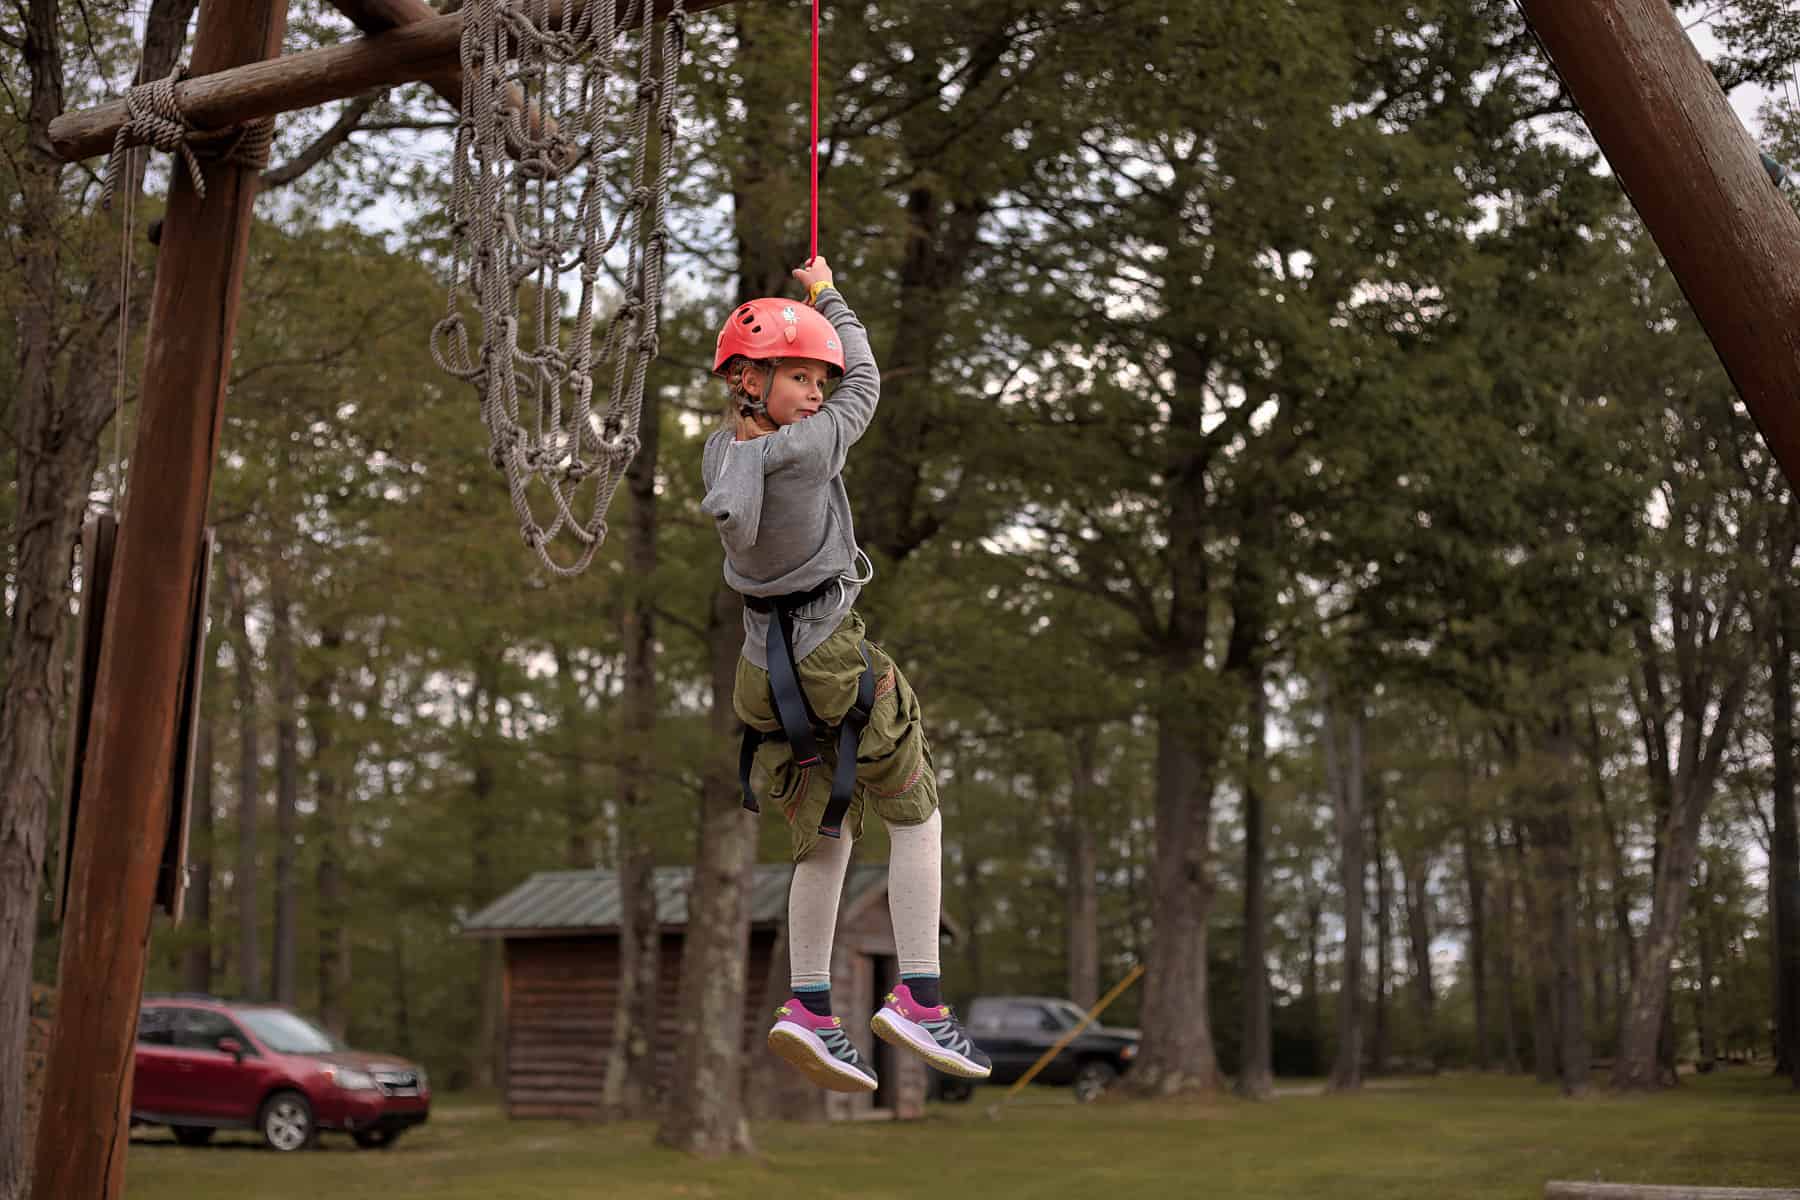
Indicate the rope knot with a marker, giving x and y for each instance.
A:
(155, 118)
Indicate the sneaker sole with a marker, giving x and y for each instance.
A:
(896, 1030)
(802, 1049)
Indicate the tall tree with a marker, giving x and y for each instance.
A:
(249, 780)
(1256, 1074)
(1342, 737)
(282, 655)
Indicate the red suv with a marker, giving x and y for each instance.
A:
(205, 1064)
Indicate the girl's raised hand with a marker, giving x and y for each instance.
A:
(814, 272)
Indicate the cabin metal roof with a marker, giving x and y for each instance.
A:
(553, 903)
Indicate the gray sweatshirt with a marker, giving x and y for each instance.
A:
(780, 503)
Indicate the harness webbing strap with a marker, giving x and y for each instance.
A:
(790, 698)
(796, 715)
(843, 780)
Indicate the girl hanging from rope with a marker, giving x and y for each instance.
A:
(827, 714)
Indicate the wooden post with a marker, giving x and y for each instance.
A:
(82, 1133)
(1697, 180)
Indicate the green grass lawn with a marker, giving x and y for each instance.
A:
(1449, 1138)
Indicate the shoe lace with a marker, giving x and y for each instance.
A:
(840, 1045)
(948, 1032)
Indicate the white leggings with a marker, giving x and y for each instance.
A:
(915, 890)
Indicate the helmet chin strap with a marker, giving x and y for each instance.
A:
(760, 406)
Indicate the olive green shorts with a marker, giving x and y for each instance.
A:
(894, 775)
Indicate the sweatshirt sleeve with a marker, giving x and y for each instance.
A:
(821, 443)
(733, 474)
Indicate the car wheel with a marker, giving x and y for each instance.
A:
(286, 1121)
(376, 1139)
(955, 1090)
(193, 1135)
(1092, 1080)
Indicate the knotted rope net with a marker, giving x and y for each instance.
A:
(538, 143)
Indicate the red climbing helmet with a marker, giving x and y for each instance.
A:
(776, 328)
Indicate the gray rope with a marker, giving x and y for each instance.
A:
(526, 215)
(154, 118)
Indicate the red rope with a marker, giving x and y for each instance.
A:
(815, 131)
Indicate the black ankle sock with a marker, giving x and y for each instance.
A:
(924, 989)
(818, 1002)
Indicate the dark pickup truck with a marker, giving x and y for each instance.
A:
(1016, 1030)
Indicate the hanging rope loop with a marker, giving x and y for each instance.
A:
(550, 93)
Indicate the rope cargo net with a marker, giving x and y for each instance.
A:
(538, 141)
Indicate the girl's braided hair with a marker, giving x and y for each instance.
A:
(744, 407)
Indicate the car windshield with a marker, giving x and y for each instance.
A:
(286, 1033)
(1071, 1015)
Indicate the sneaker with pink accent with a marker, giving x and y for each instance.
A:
(819, 1049)
(934, 1034)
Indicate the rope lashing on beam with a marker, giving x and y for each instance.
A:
(534, 158)
(156, 120)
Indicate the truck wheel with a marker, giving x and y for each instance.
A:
(1092, 1080)
(286, 1122)
(955, 1090)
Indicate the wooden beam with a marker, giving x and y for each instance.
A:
(279, 85)
(1558, 1189)
(1694, 175)
(408, 41)
(85, 1122)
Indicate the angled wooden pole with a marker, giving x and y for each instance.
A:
(83, 1128)
(1695, 177)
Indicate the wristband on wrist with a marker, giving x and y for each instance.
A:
(813, 292)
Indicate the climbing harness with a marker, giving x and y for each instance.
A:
(799, 726)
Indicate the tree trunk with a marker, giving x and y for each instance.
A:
(56, 435)
(575, 733)
(1783, 638)
(1415, 872)
(1177, 1053)
(1509, 1008)
(196, 959)
(1256, 1077)
(1082, 869)
(1562, 893)
(486, 1067)
(1703, 998)
(331, 833)
(1309, 999)
(1344, 770)
(706, 1111)
(1378, 1041)
(1534, 891)
(244, 882)
(1639, 1064)
(630, 1072)
(287, 787)
(1475, 873)
(1625, 951)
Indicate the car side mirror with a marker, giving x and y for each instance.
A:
(233, 1047)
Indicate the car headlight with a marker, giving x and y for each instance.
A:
(350, 1079)
(1128, 1052)
(424, 1083)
